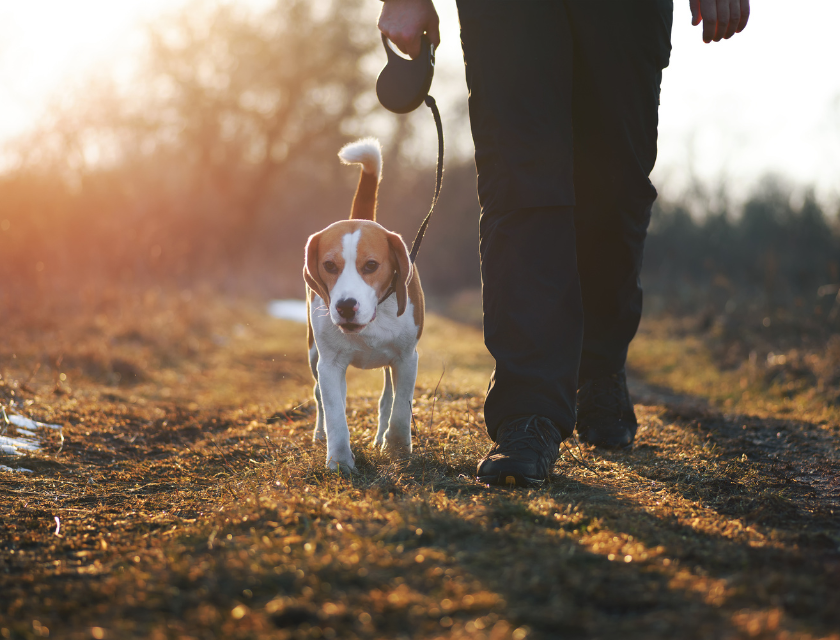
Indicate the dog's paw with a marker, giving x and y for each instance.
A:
(395, 448)
(344, 463)
(319, 435)
(344, 469)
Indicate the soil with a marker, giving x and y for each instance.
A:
(183, 496)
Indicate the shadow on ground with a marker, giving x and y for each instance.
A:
(159, 517)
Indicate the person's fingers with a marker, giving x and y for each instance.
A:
(694, 5)
(409, 44)
(722, 19)
(745, 15)
(708, 11)
(403, 23)
(406, 40)
(734, 18)
(434, 34)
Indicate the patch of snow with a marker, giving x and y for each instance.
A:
(13, 446)
(25, 439)
(3, 467)
(288, 310)
(26, 423)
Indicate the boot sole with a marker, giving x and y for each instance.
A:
(512, 480)
(609, 445)
(607, 442)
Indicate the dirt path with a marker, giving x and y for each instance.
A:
(804, 457)
(191, 503)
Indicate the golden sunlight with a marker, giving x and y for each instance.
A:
(50, 44)
(47, 46)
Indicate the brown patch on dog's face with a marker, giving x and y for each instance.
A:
(375, 262)
(357, 260)
(327, 262)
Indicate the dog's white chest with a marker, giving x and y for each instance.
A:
(387, 339)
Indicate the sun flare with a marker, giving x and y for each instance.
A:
(51, 44)
(738, 109)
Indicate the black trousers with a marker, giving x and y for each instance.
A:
(564, 98)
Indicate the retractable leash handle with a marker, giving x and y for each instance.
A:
(402, 86)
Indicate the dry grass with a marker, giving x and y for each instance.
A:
(193, 504)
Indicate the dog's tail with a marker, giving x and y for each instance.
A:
(368, 153)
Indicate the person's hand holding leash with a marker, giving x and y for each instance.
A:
(722, 19)
(404, 21)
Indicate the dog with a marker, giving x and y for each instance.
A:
(365, 307)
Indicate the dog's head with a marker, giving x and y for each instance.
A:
(351, 265)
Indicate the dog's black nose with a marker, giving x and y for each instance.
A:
(347, 308)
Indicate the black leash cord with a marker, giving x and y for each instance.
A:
(421, 232)
(415, 246)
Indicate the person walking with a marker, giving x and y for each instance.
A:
(563, 104)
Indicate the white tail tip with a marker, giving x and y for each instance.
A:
(366, 152)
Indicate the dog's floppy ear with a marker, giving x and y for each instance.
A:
(404, 270)
(310, 269)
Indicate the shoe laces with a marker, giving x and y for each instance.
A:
(528, 433)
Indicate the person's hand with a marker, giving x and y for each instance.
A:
(721, 18)
(404, 21)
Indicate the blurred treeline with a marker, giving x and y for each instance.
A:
(778, 250)
(212, 166)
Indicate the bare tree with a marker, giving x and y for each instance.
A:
(241, 95)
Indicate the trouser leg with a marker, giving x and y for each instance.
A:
(618, 66)
(533, 322)
(525, 62)
(519, 73)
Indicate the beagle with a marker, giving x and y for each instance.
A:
(366, 309)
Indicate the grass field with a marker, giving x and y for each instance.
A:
(183, 497)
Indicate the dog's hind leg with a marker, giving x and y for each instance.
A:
(319, 433)
(386, 403)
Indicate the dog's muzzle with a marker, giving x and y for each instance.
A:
(347, 309)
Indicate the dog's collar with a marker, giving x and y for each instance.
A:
(391, 289)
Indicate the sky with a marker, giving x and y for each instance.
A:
(765, 102)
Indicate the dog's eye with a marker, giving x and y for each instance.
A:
(330, 267)
(370, 266)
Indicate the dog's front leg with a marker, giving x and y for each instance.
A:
(398, 435)
(332, 380)
(386, 403)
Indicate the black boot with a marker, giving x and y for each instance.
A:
(525, 450)
(605, 415)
